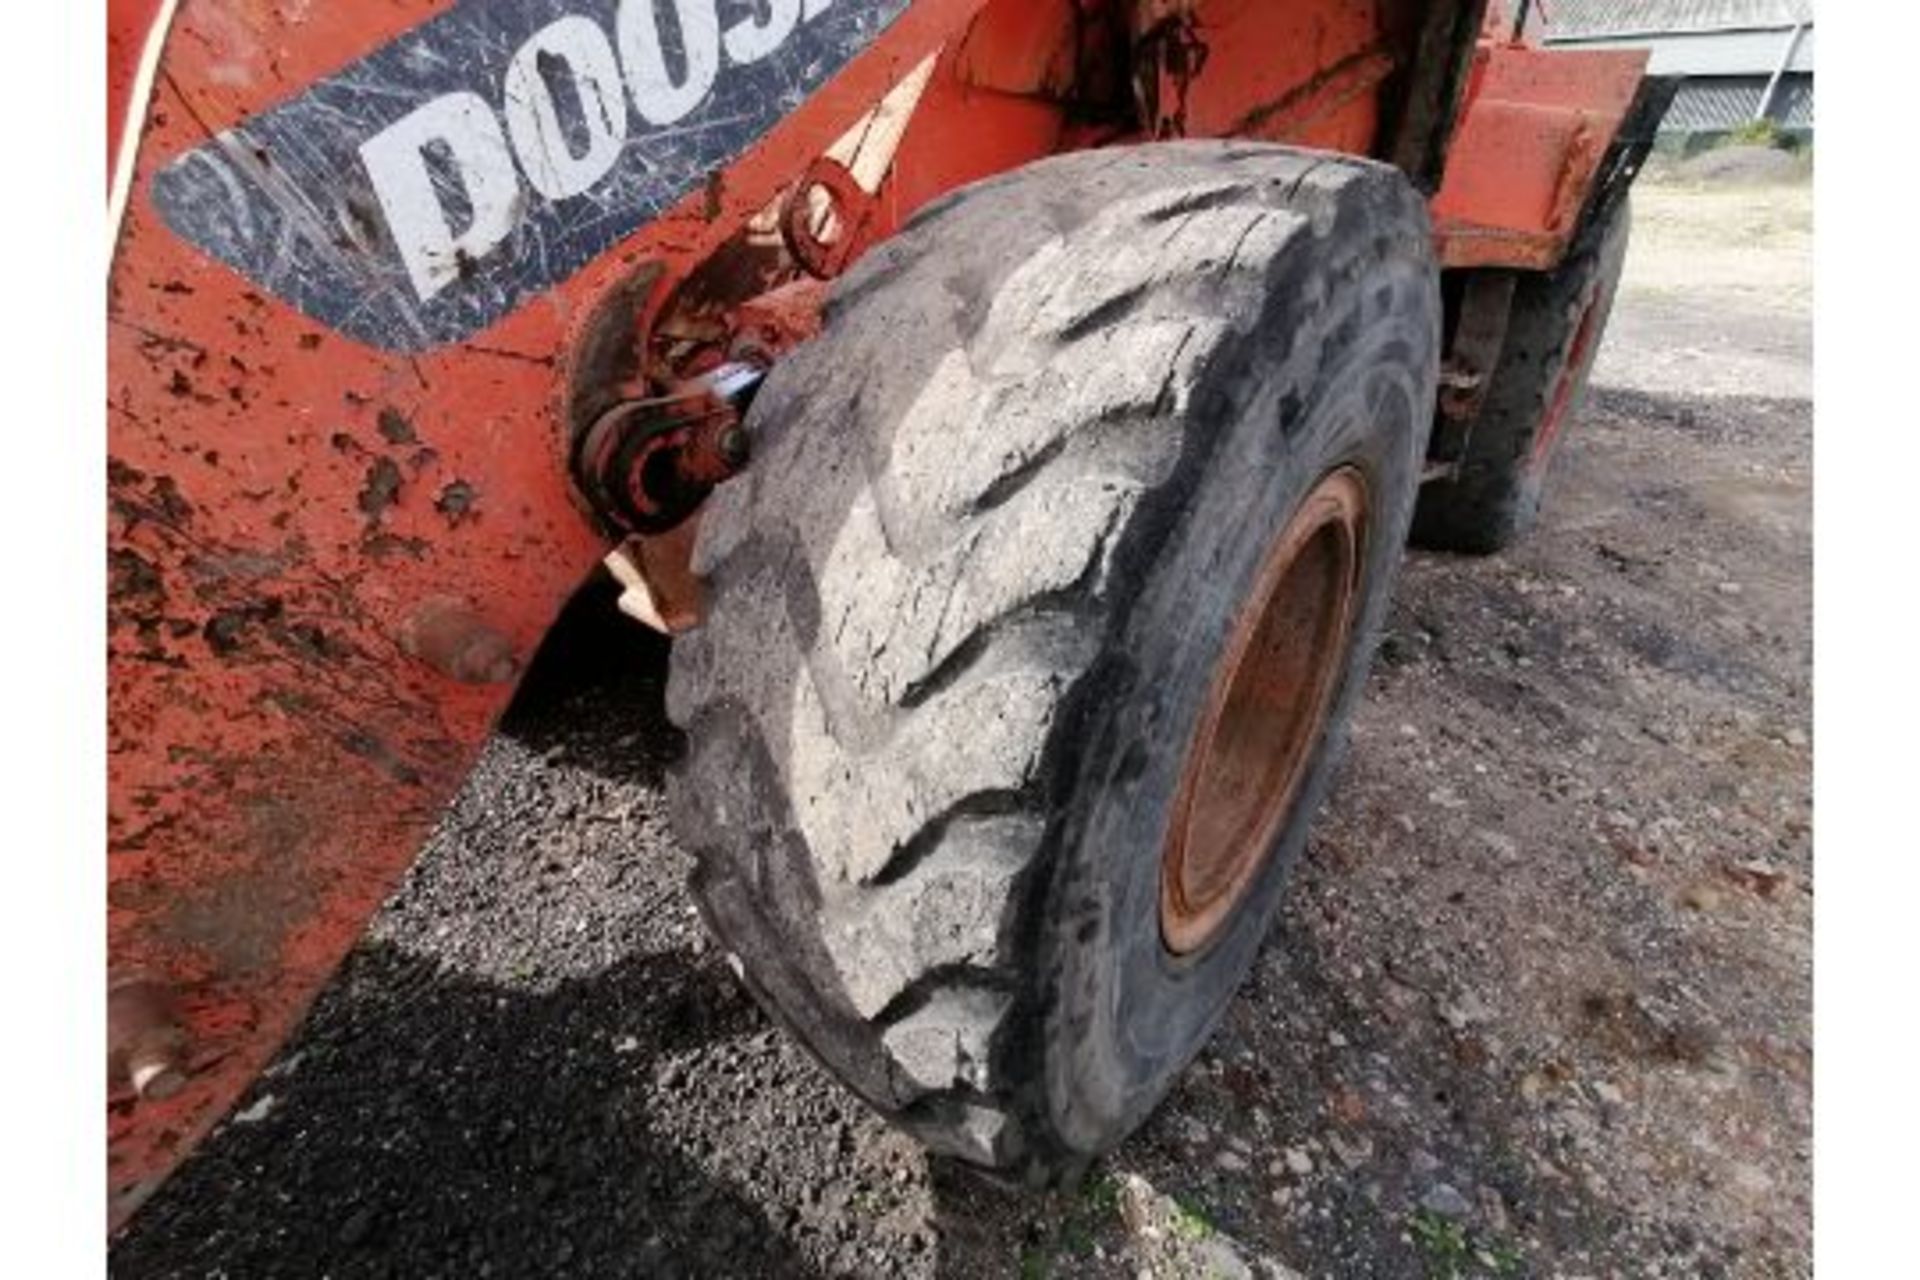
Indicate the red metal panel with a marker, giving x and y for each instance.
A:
(1021, 48)
(129, 24)
(312, 540)
(1301, 73)
(1529, 142)
(962, 133)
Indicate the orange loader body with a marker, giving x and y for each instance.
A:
(392, 283)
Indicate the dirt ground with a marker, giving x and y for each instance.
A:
(1538, 1004)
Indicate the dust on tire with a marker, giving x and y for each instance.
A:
(1001, 515)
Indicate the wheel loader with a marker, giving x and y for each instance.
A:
(1015, 411)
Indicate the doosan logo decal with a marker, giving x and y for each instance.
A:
(555, 165)
(427, 190)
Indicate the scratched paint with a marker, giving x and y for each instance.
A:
(425, 191)
(289, 510)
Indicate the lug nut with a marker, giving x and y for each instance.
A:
(156, 1072)
(146, 1045)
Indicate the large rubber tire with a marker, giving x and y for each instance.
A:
(1554, 331)
(966, 604)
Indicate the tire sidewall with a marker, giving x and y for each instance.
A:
(1589, 302)
(1124, 1014)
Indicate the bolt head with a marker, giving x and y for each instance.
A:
(156, 1076)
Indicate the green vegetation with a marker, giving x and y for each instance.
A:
(1451, 1251)
(1443, 1241)
(1501, 1259)
(1756, 133)
(1074, 1233)
(1189, 1223)
(1100, 1196)
(1076, 1225)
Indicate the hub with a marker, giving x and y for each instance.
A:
(1271, 694)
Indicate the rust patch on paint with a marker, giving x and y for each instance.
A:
(456, 502)
(132, 577)
(385, 546)
(381, 489)
(395, 428)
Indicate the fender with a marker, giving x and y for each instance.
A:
(1530, 145)
(339, 511)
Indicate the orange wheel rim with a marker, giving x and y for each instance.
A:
(1562, 397)
(1265, 711)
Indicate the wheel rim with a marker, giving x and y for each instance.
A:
(1563, 387)
(1269, 701)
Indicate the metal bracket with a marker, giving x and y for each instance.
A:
(1466, 374)
(646, 465)
(825, 219)
(658, 586)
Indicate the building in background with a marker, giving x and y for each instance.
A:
(1743, 61)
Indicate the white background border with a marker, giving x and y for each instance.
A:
(1867, 633)
(53, 732)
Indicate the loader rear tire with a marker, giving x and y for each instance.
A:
(1558, 320)
(976, 611)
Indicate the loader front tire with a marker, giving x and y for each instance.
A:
(1036, 623)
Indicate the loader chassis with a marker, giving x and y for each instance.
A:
(411, 311)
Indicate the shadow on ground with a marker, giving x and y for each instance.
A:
(430, 1126)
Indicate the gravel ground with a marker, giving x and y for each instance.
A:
(1745, 165)
(1539, 1002)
